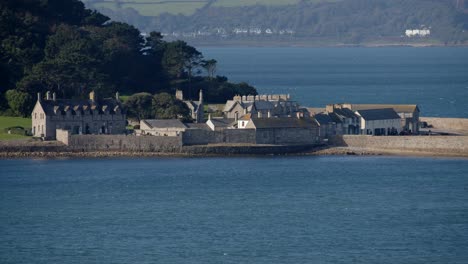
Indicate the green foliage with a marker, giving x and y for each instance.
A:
(139, 106)
(166, 106)
(59, 46)
(20, 102)
(6, 122)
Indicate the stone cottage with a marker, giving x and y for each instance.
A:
(409, 113)
(88, 116)
(196, 107)
(282, 130)
(261, 105)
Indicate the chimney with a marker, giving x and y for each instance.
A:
(269, 113)
(200, 96)
(259, 114)
(245, 111)
(54, 96)
(117, 96)
(39, 97)
(179, 95)
(92, 96)
(299, 115)
(209, 116)
(48, 95)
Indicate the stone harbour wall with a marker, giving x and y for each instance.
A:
(203, 137)
(124, 143)
(447, 123)
(436, 144)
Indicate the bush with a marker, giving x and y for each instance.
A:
(17, 130)
(21, 103)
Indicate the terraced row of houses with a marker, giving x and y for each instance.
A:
(253, 119)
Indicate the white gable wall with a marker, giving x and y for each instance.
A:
(368, 126)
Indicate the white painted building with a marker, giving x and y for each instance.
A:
(417, 32)
(379, 122)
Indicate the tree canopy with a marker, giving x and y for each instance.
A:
(60, 46)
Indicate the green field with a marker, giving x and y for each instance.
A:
(185, 7)
(6, 121)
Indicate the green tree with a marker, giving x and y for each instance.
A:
(166, 106)
(21, 103)
(210, 67)
(140, 106)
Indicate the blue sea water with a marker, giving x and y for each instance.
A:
(234, 210)
(434, 78)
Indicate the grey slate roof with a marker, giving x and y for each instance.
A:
(378, 114)
(335, 118)
(323, 118)
(59, 106)
(164, 123)
(410, 108)
(344, 112)
(223, 122)
(283, 122)
(264, 105)
(202, 126)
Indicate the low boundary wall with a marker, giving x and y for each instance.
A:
(124, 143)
(447, 123)
(230, 136)
(436, 144)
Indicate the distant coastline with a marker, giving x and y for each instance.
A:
(305, 44)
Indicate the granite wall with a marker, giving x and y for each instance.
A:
(124, 143)
(436, 144)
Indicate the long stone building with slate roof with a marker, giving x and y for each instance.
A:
(89, 116)
(279, 105)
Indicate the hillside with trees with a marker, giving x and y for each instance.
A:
(330, 22)
(60, 46)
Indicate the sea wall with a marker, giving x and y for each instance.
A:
(124, 143)
(230, 136)
(447, 123)
(436, 144)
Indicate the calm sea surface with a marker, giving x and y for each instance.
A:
(434, 78)
(234, 210)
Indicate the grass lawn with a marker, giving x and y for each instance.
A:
(7, 121)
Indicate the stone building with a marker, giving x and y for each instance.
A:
(409, 113)
(327, 126)
(379, 122)
(196, 107)
(161, 127)
(91, 116)
(281, 130)
(263, 105)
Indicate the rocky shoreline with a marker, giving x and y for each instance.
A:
(322, 151)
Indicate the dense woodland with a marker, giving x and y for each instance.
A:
(60, 46)
(349, 21)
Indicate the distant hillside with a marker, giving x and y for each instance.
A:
(320, 22)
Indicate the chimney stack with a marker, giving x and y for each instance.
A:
(259, 114)
(117, 96)
(54, 96)
(48, 95)
(179, 95)
(39, 97)
(269, 113)
(92, 96)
